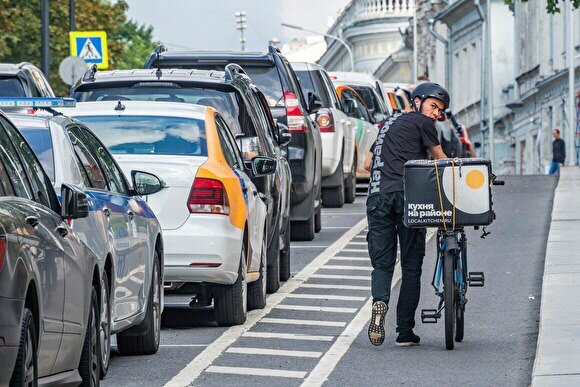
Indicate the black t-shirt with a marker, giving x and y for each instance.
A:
(403, 137)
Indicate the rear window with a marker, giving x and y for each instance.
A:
(268, 80)
(11, 87)
(150, 134)
(307, 79)
(41, 143)
(370, 98)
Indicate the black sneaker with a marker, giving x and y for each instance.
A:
(407, 339)
(377, 324)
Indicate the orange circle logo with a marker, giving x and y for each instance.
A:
(475, 179)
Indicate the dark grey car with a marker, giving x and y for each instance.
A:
(49, 280)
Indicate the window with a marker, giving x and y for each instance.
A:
(13, 167)
(228, 147)
(5, 185)
(115, 176)
(150, 135)
(268, 80)
(40, 141)
(90, 166)
(11, 87)
(331, 90)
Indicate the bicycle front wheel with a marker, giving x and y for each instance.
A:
(449, 298)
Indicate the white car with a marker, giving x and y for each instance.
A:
(360, 82)
(339, 157)
(212, 216)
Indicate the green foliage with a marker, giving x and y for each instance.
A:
(129, 44)
(552, 6)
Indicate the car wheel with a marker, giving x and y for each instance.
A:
(303, 230)
(144, 338)
(105, 325)
(231, 301)
(257, 289)
(318, 219)
(90, 364)
(273, 265)
(350, 184)
(285, 254)
(26, 368)
(334, 197)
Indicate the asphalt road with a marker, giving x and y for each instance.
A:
(314, 329)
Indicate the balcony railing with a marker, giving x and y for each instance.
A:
(372, 9)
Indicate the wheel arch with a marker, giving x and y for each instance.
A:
(31, 302)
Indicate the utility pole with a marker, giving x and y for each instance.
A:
(415, 48)
(71, 15)
(45, 38)
(490, 123)
(241, 26)
(570, 138)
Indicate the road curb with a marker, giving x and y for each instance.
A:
(557, 359)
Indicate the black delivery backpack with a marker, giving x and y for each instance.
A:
(429, 200)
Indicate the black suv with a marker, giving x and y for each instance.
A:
(23, 80)
(244, 108)
(272, 73)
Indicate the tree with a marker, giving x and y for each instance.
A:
(128, 43)
(553, 6)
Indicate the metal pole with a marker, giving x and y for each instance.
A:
(344, 43)
(71, 15)
(241, 26)
(483, 67)
(415, 50)
(571, 110)
(490, 86)
(45, 39)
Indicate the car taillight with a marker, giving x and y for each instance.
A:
(325, 121)
(2, 251)
(208, 196)
(296, 121)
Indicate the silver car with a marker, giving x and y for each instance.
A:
(49, 279)
(120, 228)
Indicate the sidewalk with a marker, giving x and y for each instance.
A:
(558, 351)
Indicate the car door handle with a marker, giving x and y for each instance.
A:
(255, 193)
(32, 220)
(106, 211)
(61, 230)
(131, 214)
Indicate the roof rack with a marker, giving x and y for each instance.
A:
(232, 70)
(89, 74)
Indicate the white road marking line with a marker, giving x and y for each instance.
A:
(273, 352)
(257, 372)
(326, 297)
(366, 259)
(294, 246)
(328, 309)
(337, 227)
(342, 287)
(358, 243)
(288, 336)
(291, 321)
(329, 361)
(346, 267)
(355, 250)
(183, 345)
(204, 359)
(338, 276)
(333, 213)
(360, 237)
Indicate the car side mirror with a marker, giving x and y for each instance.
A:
(477, 144)
(249, 147)
(262, 166)
(314, 103)
(146, 183)
(284, 134)
(348, 106)
(74, 202)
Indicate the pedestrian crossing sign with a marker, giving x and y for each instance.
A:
(91, 46)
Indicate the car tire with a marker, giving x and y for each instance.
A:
(90, 364)
(334, 197)
(303, 230)
(257, 289)
(231, 301)
(318, 220)
(26, 368)
(144, 338)
(285, 255)
(273, 268)
(350, 183)
(105, 325)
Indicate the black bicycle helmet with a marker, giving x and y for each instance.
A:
(431, 90)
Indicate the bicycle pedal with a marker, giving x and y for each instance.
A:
(430, 316)
(476, 279)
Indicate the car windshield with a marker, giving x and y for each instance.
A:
(11, 87)
(41, 143)
(370, 98)
(223, 101)
(150, 134)
(268, 80)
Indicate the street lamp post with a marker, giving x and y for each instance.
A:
(571, 110)
(344, 43)
(45, 39)
(241, 26)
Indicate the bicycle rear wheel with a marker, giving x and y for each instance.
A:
(460, 308)
(449, 298)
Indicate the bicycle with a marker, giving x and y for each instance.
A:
(451, 267)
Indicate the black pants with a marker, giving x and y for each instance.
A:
(385, 219)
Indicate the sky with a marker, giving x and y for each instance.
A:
(210, 25)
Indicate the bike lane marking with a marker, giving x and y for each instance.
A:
(288, 336)
(204, 359)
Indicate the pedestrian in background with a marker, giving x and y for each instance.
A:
(558, 153)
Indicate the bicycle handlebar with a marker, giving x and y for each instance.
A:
(498, 182)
